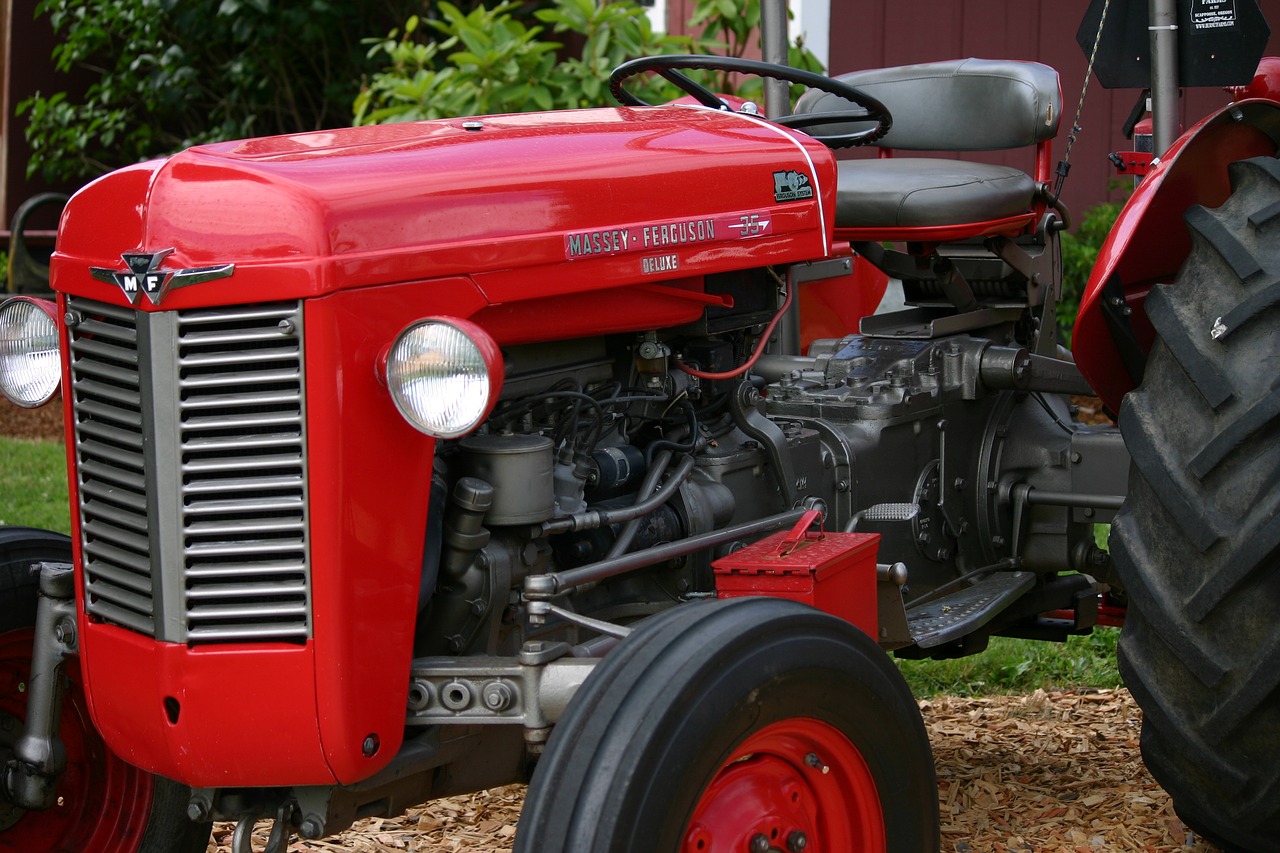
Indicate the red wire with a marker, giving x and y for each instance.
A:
(764, 339)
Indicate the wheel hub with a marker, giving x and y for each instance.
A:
(796, 786)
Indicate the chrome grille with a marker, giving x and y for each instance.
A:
(194, 420)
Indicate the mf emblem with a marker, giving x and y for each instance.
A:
(142, 274)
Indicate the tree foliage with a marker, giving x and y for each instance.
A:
(167, 74)
(506, 58)
(494, 60)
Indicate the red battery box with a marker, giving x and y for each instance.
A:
(834, 572)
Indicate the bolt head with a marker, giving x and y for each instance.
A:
(370, 746)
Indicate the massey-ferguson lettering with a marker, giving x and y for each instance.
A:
(393, 488)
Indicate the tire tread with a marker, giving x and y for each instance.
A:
(1201, 645)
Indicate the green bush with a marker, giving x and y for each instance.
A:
(491, 60)
(1079, 251)
(495, 60)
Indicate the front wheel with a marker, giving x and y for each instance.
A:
(104, 805)
(738, 725)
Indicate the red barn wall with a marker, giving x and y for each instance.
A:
(875, 33)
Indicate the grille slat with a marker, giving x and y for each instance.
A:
(107, 372)
(228, 486)
(120, 350)
(122, 616)
(245, 633)
(104, 531)
(223, 445)
(241, 549)
(112, 476)
(261, 505)
(107, 432)
(200, 466)
(108, 454)
(249, 420)
(121, 597)
(233, 380)
(243, 528)
(238, 338)
(125, 579)
(89, 389)
(264, 570)
(211, 447)
(206, 360)
(229, 402)
(109, 554)
(106, 412)
(121, 518)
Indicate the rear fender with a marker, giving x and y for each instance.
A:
(1149, 241)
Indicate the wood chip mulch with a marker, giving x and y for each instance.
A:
(1055, 771)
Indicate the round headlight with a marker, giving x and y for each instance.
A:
(444, 375)
(30, 368)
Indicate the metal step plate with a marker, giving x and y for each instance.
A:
(962, 612)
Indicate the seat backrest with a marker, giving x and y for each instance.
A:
(958, 105)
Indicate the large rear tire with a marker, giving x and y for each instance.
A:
(1197, 543)
(738, 725)
(104, 805)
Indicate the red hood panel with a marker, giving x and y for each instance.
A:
(323, 211)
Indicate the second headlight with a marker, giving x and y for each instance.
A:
(30, 367)
(444, 375)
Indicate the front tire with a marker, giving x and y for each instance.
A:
(104, 804)
(737, 725)
(1197, 543)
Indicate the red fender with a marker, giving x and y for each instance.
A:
(1149, 241)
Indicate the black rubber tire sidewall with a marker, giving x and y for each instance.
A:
(168, 828)
(625, 767)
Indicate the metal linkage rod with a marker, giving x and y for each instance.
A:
(542, 587)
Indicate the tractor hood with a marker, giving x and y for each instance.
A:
(606, 197)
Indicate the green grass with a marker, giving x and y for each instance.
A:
(1020, 666)
(33, 491)
(34, 494)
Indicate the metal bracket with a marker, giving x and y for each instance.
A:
(277, 842)
(1117, 313)
(771, 437)
(532, 692)
(31, 776)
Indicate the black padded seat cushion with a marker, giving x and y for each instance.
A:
(916, 192)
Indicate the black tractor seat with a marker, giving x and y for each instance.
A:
(919, 192)
(958, 105)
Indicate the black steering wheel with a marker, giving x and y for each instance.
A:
(666, 67)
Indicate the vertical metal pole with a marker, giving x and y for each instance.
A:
(1164, 74)
(777, 102)
(773, 48)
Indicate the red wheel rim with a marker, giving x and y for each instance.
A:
(103, 803)
(795, 785)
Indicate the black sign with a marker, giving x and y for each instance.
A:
(1219, 42)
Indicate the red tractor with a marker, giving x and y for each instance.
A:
(416, 459)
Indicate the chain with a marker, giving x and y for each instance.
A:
(1064, 165)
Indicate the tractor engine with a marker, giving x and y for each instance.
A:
(937, 446)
